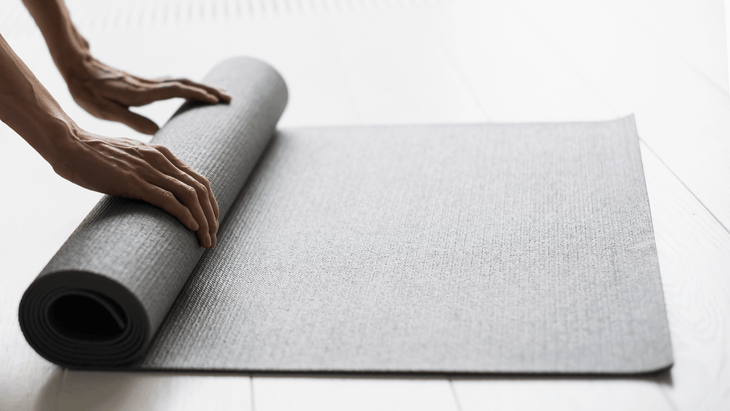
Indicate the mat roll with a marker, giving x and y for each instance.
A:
(102, 297)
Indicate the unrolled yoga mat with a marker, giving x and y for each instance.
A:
(451, 248)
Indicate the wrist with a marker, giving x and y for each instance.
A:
(56, 133)
(69, 50)
(71, 59)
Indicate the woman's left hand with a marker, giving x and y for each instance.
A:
(107, 93)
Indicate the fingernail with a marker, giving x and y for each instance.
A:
(207, 242)
(194, 225)
(215, 240)
(225, 94)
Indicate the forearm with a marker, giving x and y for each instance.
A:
(29, 109)
(66, 45)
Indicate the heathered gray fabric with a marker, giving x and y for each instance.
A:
(454, 248)
(464, 248)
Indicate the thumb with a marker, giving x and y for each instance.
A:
(139, 123)
(142, 124)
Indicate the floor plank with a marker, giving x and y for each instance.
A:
(520, 394)
(353, 394)
(509, 70)
(396, 74)
(103, 391)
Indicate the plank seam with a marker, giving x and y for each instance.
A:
(253, 402)
(714, 217)
(462, 78)
(456, 397)
(59, 387)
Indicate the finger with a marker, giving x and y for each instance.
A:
(193, 194)
(186, 168)
(190, 176)
(179, 169)
(187, 196)
(204, 197)
(222, 94)
(168, 90)
(167, 201)
(133, 92)
(110, 110)
(113, 111)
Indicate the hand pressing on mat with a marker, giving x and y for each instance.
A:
(120, 167)
(130, 168)
(103, 91)
(108, 93)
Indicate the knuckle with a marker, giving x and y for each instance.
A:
(168, 196)
(153, 155)
(162, 149)
(201, 190)
(191, 193)
(157, 156)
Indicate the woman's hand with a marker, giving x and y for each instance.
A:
(130, 168)
(101, 90)
(107, 93)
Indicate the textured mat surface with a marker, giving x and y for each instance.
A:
(472, 248)
(464, 248)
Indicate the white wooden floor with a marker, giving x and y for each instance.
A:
(411, 61)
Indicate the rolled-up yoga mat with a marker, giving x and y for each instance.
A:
(474, 248)
(101, 298)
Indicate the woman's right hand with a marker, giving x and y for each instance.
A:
(133, 169)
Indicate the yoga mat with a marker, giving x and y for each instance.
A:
(452, 248)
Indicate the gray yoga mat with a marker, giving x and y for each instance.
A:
(451, 248)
